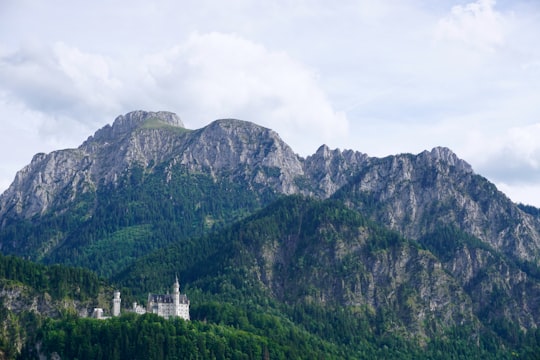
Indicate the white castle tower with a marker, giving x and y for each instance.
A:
(169, 305)
(116, 304)
(176, 291)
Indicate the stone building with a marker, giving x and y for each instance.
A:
(169, 305)
(116, 304)
(165, 305)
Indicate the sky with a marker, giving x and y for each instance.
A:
(381, 77)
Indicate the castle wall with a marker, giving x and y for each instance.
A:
(165, 305)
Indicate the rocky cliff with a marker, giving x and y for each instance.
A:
(416, 194)
(56, 179)
(468, 236)
(412, 194)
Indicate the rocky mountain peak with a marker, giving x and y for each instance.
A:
(331, 169)
(323, 151)
(445, 155)
(246, 142)
(231, 123)
(240, 130)
(135, 119)
(247, 150)
(125, 124)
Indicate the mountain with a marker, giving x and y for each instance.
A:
(415, 194)
(417, 247)
(62, 202)
(299, 250)
(241, 150)
(30, 292)
(233, 149)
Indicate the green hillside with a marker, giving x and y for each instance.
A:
(146, 210)
(276, 285)
(310, 283)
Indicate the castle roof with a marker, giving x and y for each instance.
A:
(167, 298)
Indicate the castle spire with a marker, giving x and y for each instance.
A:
(116, 303)
(176, 286)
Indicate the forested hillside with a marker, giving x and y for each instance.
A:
(338, 255)
(31, 292)
(271, 286)
(238, 312)
(299, 254)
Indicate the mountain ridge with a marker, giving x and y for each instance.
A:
(406, 188)
(112, 149)
(421, 238)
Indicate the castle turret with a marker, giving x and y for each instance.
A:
(116, 304)
(169, 305)
(176, 292)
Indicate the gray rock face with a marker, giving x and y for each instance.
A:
(415, 194)
(496, 287)
(328, 170)
(443, 156)
(237, 149)
(244, 151)
(37, 186)
(57, 178)
(412, 194)
(16, 298)
(233, 148)
(337, 266)
(124, 124)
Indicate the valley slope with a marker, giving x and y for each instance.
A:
(416, 245)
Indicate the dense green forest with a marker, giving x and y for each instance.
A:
(56, 280)
(54, 289)
(245, 307)
(144, 211)
(223, 331)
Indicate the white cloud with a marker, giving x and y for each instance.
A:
(512, 158)
(88, 74)
(230, 76)
(59, 80)
(523, 142)
(59, 95)
(26, 132)
(218, 75)
(409, 75)
(528, 194)
(476, 24)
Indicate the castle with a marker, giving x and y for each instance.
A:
(165, 305)
(169, 305)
